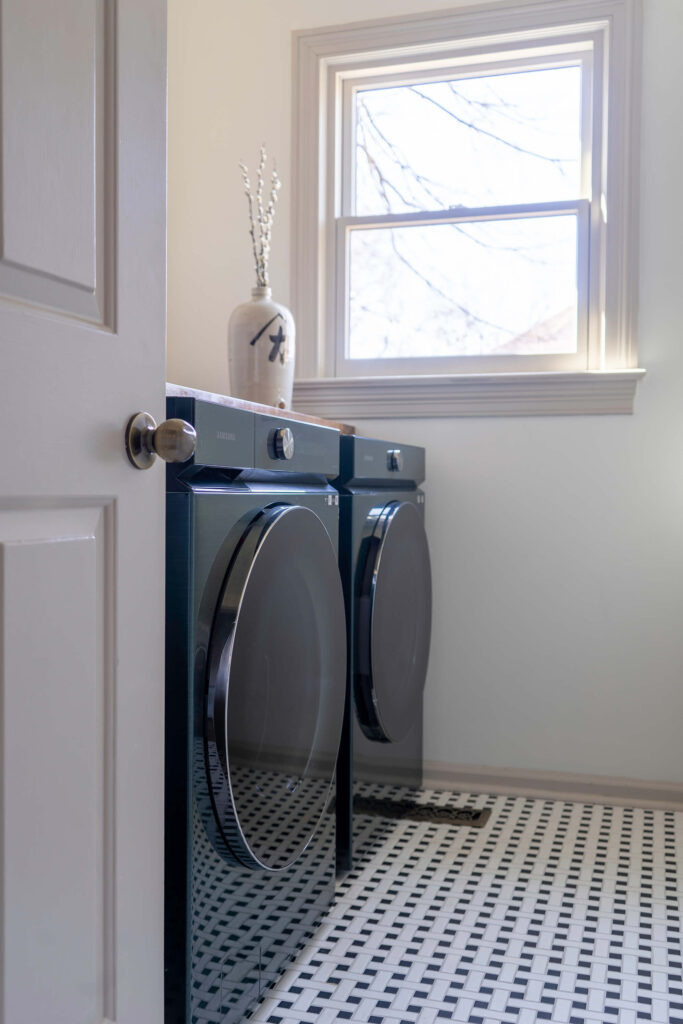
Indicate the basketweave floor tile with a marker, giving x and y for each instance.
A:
(553, 911)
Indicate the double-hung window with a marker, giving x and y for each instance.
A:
(465, 195)
(462, 240)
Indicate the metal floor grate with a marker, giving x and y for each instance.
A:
(475, 817)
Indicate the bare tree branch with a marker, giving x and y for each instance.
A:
(398, 184)
(555, 160)
(384, 185)
(471, 317)
(395, 158)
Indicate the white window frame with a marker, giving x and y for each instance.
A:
(330, 65)
(487, 60)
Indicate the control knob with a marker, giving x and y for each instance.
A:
(395, 460)
(283, 443)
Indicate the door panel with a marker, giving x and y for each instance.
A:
(57, 144)
(81, 531)
(56, 597)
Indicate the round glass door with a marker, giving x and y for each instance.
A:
(393, 623)
(276, 682)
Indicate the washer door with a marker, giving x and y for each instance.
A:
(393, 623)
(276, 682)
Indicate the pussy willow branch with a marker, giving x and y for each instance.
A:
(247, 192)
(259, 189)
(260, 227)
(270, 214)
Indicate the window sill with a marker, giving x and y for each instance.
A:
(585, 393)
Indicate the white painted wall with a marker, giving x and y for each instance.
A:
(557, 542)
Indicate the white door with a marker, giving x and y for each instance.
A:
(82, 295)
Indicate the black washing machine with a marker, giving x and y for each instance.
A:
(255, 682)
(385, 568)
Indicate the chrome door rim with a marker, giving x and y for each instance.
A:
(257, 538)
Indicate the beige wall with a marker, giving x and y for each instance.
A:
(557, 542)
(229, 90)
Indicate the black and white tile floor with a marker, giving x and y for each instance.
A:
(554, 911)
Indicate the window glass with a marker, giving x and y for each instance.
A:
(487, 141)
(498, 287)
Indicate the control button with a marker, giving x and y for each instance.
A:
(283, 443)
(395, 460)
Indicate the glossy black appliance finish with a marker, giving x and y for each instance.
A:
(255, 684)
(276, 687)
(385, 568)
(393, 623)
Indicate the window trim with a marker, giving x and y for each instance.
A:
(323, 59)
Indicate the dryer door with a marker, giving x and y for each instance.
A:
(393, 623)
(276, 681)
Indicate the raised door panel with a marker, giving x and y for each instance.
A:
(82, 272)
(57, 138)
(56, 741)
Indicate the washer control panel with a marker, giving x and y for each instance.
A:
(292, 446)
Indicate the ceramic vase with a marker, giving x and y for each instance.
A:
(261, 351)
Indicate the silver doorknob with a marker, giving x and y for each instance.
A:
(172, 440)
(283, 443)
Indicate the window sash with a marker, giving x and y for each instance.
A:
(347, 367)
(542, 58)
(491, 58)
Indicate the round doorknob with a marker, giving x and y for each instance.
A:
(173, 440)
(283, 443)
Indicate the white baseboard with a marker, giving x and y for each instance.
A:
(595, 789)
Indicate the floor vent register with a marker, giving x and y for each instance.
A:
(381, 807)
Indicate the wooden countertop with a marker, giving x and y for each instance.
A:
(177, 391)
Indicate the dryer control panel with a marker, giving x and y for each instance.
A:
(367, 461)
